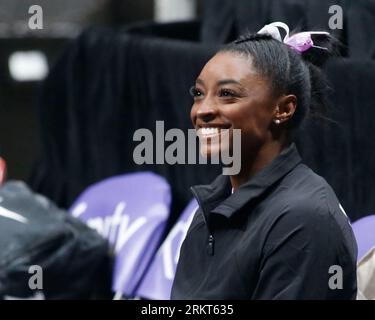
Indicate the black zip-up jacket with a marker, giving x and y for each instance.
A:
(281, 235)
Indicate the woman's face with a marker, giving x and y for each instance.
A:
(229, 94)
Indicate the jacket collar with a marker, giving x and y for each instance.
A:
(217, 197)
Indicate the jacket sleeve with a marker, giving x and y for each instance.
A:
(300, 250)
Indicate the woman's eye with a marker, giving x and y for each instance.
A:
(227, 93)
(194, 92)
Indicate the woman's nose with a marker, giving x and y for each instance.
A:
(207, 112)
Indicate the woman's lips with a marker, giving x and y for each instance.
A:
(210, 132)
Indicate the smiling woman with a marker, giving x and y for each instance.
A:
(229, 93)
(275, 229)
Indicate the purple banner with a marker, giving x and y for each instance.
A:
(131, 212)
(364, 231)
(158, 281)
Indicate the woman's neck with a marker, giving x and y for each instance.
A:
(253, 163)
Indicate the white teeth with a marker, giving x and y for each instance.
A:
(209, 131)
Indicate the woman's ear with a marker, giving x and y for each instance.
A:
(285, 109)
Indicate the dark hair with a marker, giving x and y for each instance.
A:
(290, 72)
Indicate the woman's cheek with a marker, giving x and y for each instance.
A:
(193, 113)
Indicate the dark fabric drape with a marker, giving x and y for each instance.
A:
(107, 85)
(185, 30)
(344, 152)
(361, 28)
(224, 20)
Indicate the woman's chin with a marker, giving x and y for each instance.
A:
(211, 152)
(206, 151)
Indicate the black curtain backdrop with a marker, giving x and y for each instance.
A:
(107, 85)
(344, 152)
(223, 20)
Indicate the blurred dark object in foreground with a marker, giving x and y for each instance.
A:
(71, 260)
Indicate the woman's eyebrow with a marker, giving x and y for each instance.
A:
(199, 81)
(220, 82)
(228, 81)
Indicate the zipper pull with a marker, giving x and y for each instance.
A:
(210, 247)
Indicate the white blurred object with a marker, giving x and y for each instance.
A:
(366, 276)
(173, 10)
(28, 65)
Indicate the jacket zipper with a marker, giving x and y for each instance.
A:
(211, 239)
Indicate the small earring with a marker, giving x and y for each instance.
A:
(277, 121)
